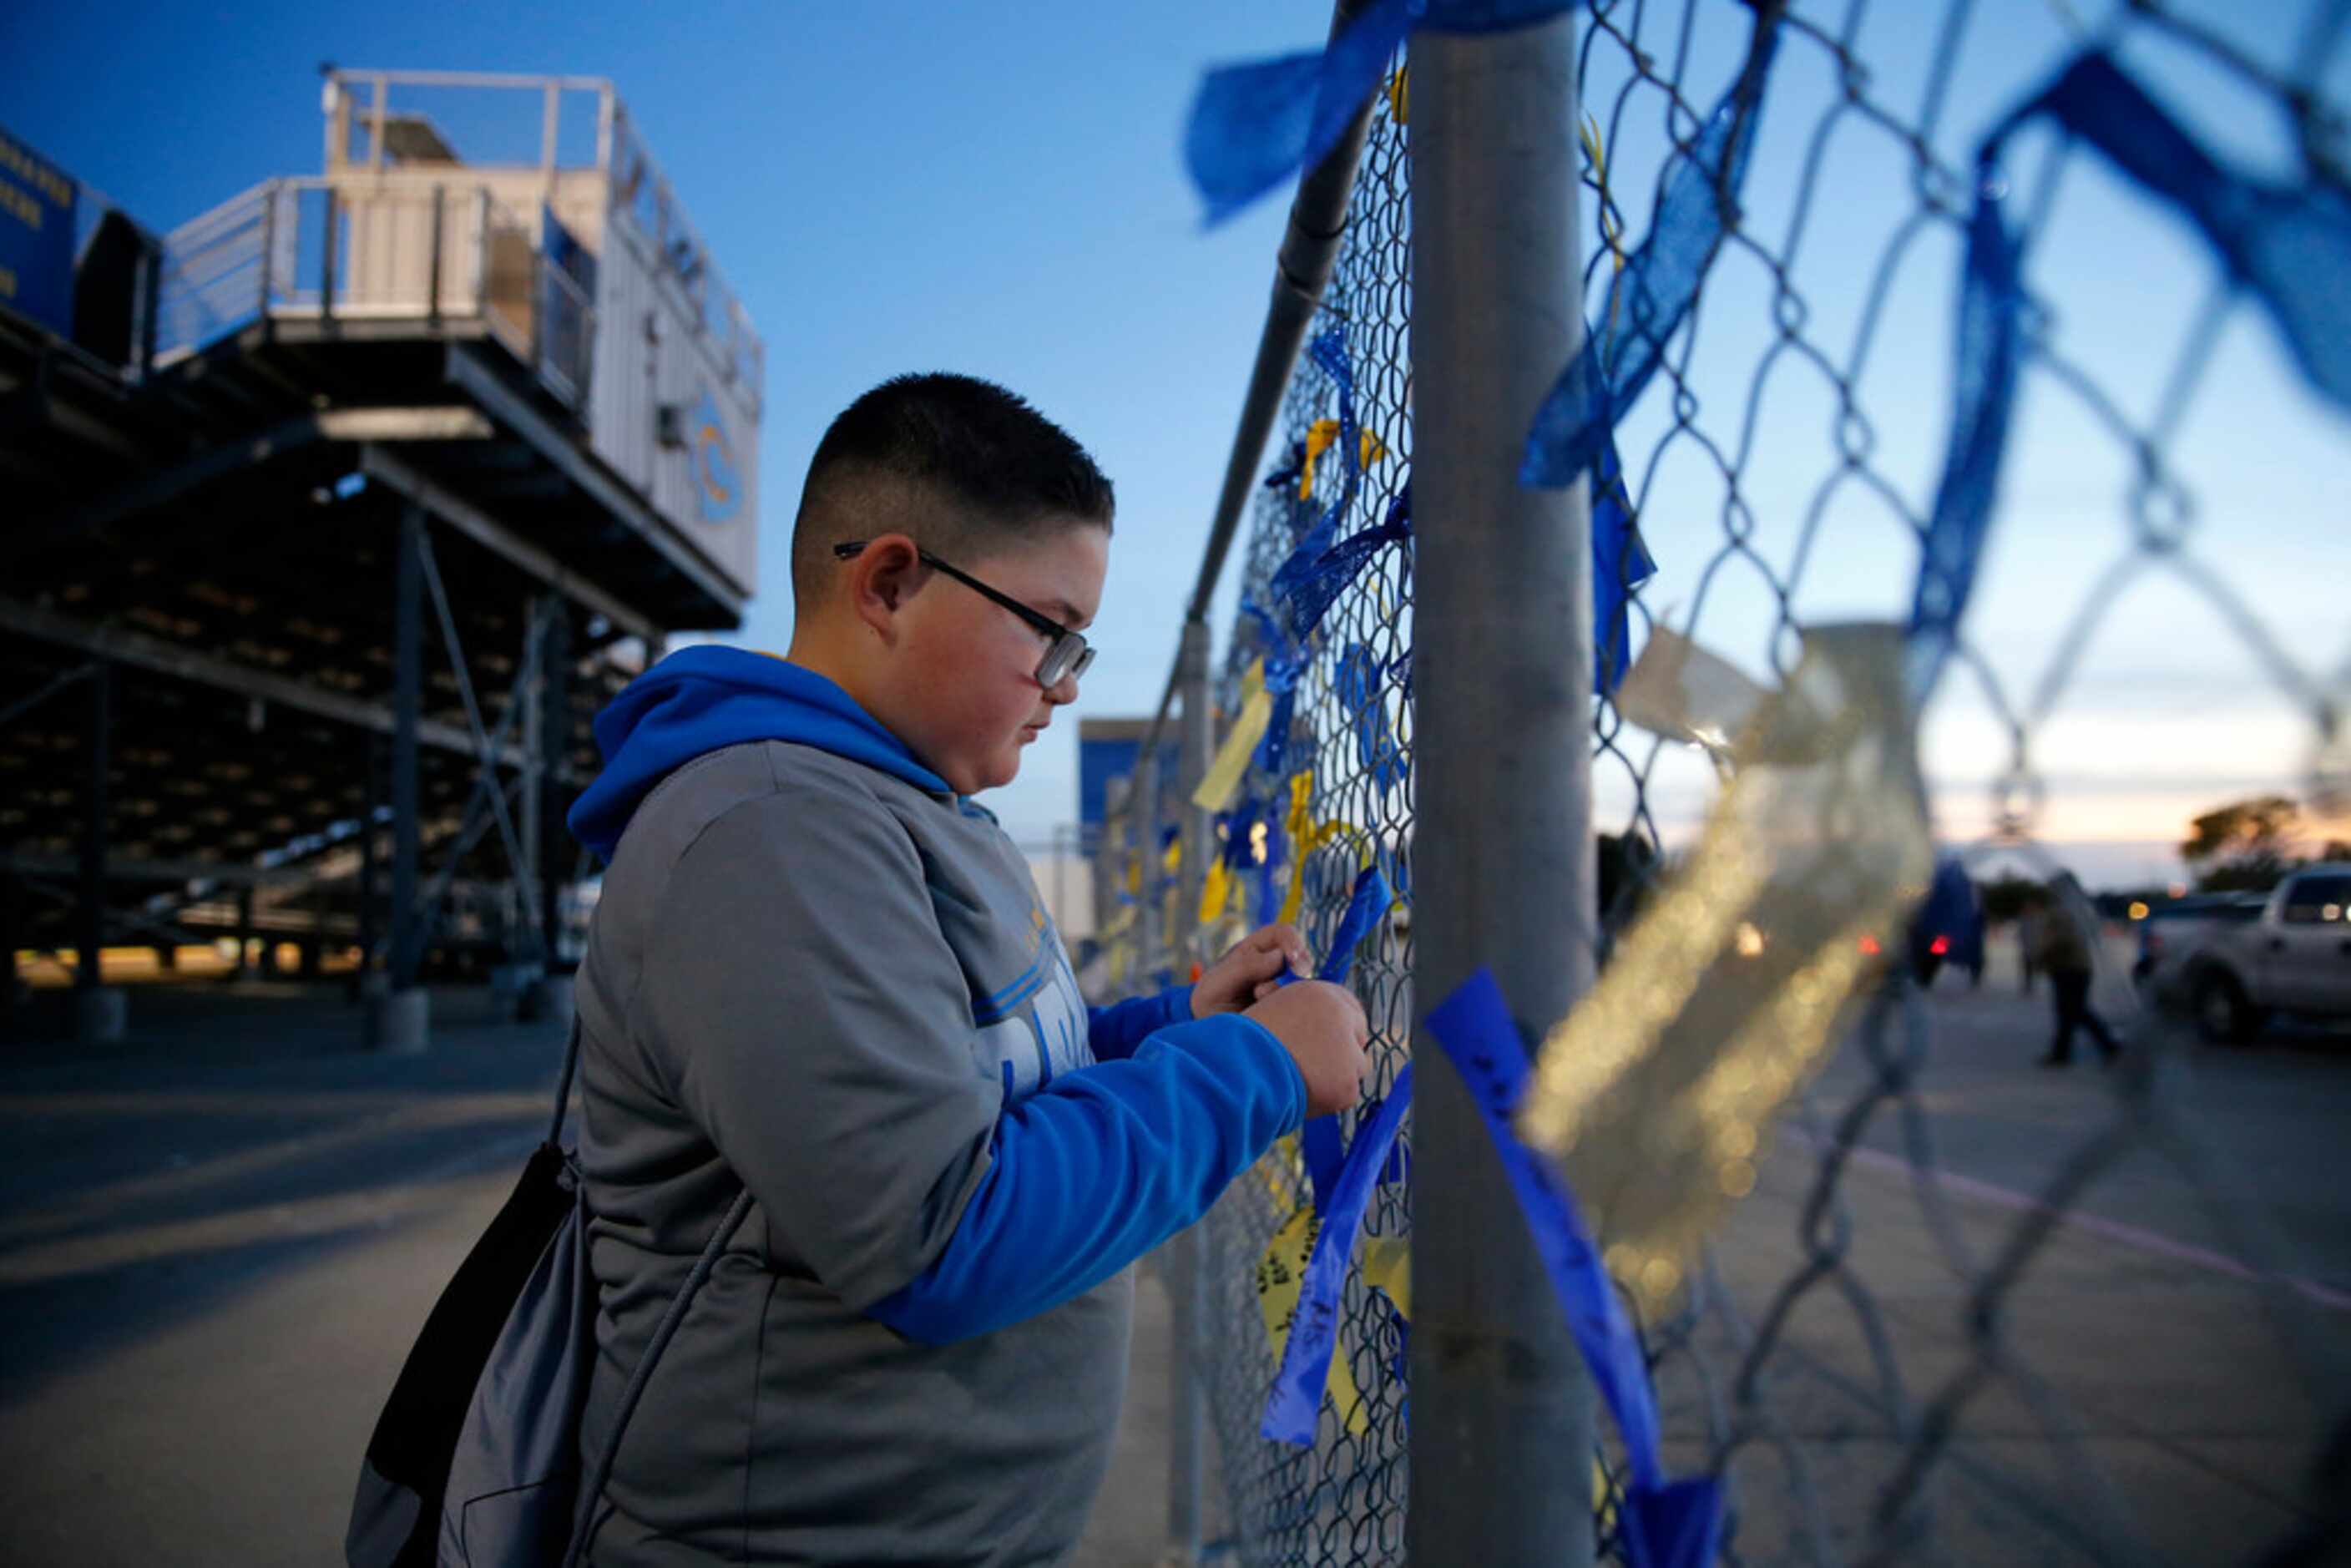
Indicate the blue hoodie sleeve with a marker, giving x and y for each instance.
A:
(1115, 1031)
(1099, 1167)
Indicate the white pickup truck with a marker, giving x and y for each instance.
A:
(2235, 967)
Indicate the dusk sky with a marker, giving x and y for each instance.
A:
(997, 190)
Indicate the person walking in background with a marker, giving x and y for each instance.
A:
(2028, 944)
(2063, 951)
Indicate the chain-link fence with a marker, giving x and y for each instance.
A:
(1891, 1354)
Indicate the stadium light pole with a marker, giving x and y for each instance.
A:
(1502, 859)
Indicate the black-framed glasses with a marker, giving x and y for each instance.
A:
(1067, 653)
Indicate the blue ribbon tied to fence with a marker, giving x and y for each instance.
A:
(1320, 1142)
(1254, 125)
(1361, 698)
(2291, 245)
(1339, 1199)
(1651, 295)
(1298, 1387)
(1664, 1525)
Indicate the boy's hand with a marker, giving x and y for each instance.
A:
(1324, 1029)
(1248, 971)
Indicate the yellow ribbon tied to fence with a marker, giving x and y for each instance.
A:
(1657, 1091)
(1213, 891)
(1279, 1274)
(1306, 836)
(1320, 437)
(1216, 789)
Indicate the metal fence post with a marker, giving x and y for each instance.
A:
(1187, 1413)
(1110, 858)
(326, 261)
(1144, 819)
(398, 1020)
(1503, 860)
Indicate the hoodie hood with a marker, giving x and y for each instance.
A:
(700, 699)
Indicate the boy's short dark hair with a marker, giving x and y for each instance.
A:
(1008, 467)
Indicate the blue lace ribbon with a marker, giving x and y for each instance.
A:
(1360, 698)
(1652, 295)
(1990, 347)
(1675, 1525)
(1318, 1141)
(2289, 244)
(1620, 565)
(1297, 1395)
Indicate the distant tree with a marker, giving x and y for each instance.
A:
(2241, 847)
(2336, 850)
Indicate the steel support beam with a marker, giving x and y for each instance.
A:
(456, 422)
(24, 705)
(12, 898)
(370, 891)
(91, 916)
(553, 740)
(525, 700)
(468, 371)
(408, 691)
(117, 870)
(147, 653)
(488, 531)
(1502, 860)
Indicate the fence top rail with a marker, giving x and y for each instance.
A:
(1318, 216)
(357, 78)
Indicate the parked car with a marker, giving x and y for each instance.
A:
(2238, 963)
(2175, 931)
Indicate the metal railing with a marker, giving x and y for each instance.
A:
(362, 250)
(1783, 474)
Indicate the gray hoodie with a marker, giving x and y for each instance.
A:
(812, 975)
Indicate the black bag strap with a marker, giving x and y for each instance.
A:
(563, 1084)
(593, 1488)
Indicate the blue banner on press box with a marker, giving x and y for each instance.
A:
(36, 237)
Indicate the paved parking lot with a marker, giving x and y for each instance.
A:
(217, 1241)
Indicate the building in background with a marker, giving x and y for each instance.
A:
(336, 515)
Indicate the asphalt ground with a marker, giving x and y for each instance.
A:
(217, 1240)
(2130, 1390)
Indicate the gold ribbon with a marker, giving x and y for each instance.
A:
(1320, 437)
(1279, 1274)
(1224, 776)
(1656, 1093)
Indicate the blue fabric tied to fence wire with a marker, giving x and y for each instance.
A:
(1252, 126)
(1285, 661)
(1652, 294)
(1320, 569)
(1318, 1141)
(1665, 1525)
(1360, 699)
(1297, 1397)
(1293, 465)
(1322, 565)
(1620, 564)
(2289, 244)
(1991, 313)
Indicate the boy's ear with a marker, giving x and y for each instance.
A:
(882, 576)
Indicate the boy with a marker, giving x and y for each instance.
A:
(820, 972)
